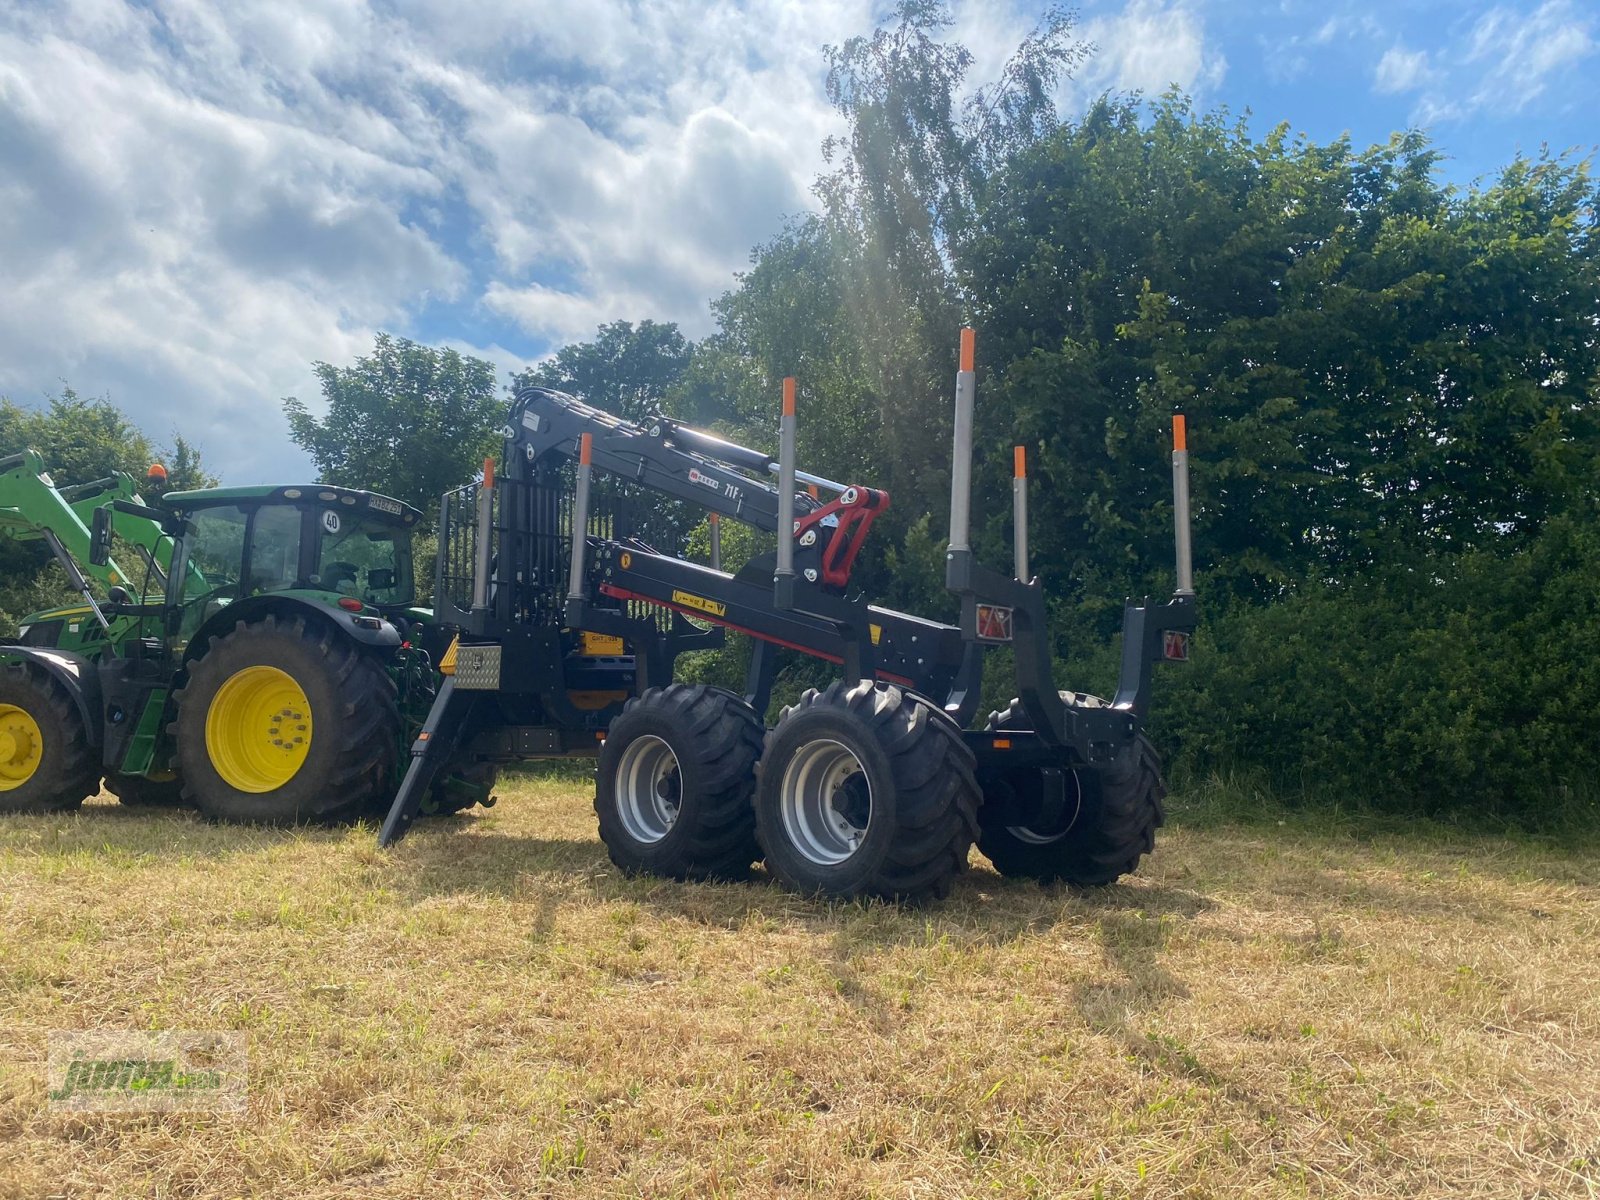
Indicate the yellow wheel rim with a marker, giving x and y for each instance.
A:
(258, 729)
(21, 746)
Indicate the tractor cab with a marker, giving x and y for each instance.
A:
(337, 544)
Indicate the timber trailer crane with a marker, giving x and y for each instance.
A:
(873, 786)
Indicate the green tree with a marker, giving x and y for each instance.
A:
(628, 369)
(80, 439)
(408, 420)
(1377, 367)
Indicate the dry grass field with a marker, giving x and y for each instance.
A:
(1271, 1010)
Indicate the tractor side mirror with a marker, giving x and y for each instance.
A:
(100, 537)
(380, 578)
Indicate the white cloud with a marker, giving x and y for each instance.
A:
(1401, 70)
(1522, 51)
(1150, 46)
(196, 201)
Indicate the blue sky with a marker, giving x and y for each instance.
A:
(198, 200)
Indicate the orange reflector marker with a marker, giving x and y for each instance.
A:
(1002, 743)
(788, 396)
(716, 518)
(350, 604)
(968, 341)
(1180, 435)
(488, 473)
(586, 449)
(812, 488)
(1019, 463)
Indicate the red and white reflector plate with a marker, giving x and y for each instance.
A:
(994, 623)
(1175, 646)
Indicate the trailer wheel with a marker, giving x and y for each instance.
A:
(1108, 824)
(46, 762)
(284, 722)
(865, 790)
(674, 784)
(136, 791)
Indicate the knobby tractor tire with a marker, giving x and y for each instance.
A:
(1108, 824)
(138, 792)
(865, 790)
(46, 762)
(674, 784)
(250, 696)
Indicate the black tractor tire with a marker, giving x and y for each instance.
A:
(349, 766)
(865, 790)
(67, 770)
(138, 792)
(674, 783)
(1109, 822)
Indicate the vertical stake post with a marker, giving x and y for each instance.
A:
(716, 541)
(580, 522)
(786, 434)
(480, 568)
(961, 459)
(1180, 505)
(1019, 511)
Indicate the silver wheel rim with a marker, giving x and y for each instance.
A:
(1024, 834)
(649, 789)
(826, 802)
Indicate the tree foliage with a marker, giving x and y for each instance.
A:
(408, 420)
(1377, 367)
(627, 370)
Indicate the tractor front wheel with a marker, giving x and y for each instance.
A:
(285, 721)
(46, 762)
(866, 790)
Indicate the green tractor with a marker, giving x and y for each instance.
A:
(263, 662)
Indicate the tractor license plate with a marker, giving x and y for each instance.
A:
(1175, 646)
(994, 623)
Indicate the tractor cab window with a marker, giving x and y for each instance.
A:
(274, 549)
(364, 557)
(217, 548)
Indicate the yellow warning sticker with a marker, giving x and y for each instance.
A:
(699, 604)
(877, 633)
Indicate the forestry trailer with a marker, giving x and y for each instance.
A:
(571, 620)
(262, 662)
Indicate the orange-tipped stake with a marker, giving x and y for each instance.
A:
(1180, 505)
(968, 341)
(1019, 511)
(577, 595)
(488, 472)
(783, 572)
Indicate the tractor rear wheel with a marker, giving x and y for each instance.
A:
(1106, 826)
(674, 784)
(866, 790)
(46, 762)
(286, 721)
